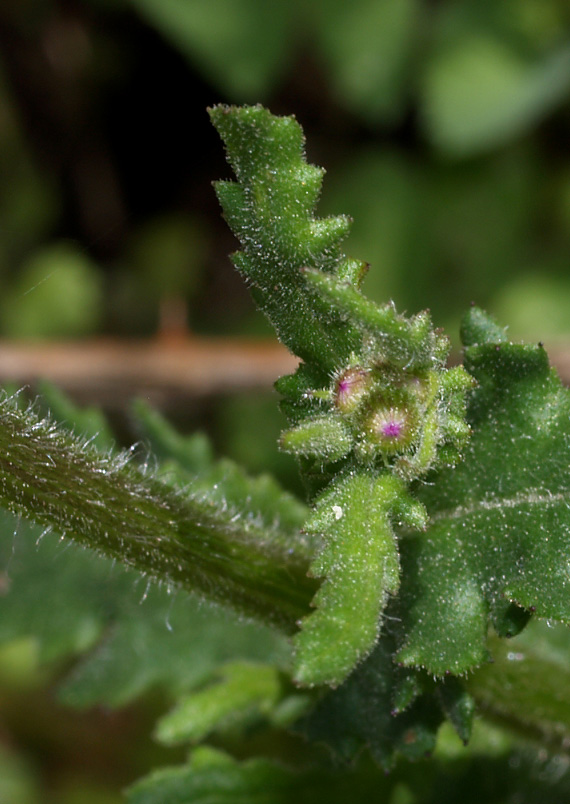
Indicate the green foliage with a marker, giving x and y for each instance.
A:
(438, 514)
(251, 33)
(490, 80)
(241, 693)
(135, 636)
(34, 307)
(360, 563)
(499, 519)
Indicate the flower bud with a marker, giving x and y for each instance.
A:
(351, 386)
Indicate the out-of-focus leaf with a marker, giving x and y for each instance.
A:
(241, 693)
(252, 35)
(527, 684)
(536, 305)
(89, 422)
(212, 777)
(369, 47)
(479, 92)
(58, 595)
(437, 234)
(480, 224)
(168, 255)
(70, 599)
(491, 773)
(18, 784)
(189, 460)
(58, 294)
(389, 199)
(170, 643)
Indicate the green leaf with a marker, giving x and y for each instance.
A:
(58, 294)
(241, 693)
(160, 639)
(403, 341)
(189, 461)
(499, 520)
(372, 408)
(89, 423)
(362, 713)
(325, 436)
(271, 213)
(131, 636)
(525, 686)
(59, 597)
(369, 50)
(252, 35)
(480, 92)
(212, 777)
(458, 706)
(359, 560)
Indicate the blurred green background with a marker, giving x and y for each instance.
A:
(444, 126)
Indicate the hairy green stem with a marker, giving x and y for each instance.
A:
(110, 505)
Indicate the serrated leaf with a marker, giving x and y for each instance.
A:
(359, 560)
(493, 772)
(271, 213)
(403, 341)
(58, 596)
(499, 520)
(458, 705)
(361, 713)
(212, 777)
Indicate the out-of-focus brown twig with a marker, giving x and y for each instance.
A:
(167, 371)
(112, 372)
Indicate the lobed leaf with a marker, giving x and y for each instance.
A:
(359, 559)
(372, 408)
(212, 777)
(499, 521)
(271, 213)
(363, 713)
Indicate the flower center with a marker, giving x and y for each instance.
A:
(391, 429)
